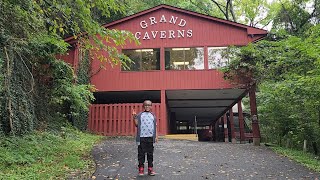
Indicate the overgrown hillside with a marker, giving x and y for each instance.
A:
(48, 155)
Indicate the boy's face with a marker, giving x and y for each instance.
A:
(147, 105)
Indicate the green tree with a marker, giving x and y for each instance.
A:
(35, 85)
(256, 13)
(286, 68)
(297, 16)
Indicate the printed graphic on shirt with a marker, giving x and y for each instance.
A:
(147, 125)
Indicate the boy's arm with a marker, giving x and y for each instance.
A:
(157, 137)
(157, 132)
(135, 117)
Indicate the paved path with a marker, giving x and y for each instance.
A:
(116, 158)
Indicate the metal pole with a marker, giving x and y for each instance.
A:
(195, 125)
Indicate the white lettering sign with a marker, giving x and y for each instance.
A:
(154, 34)
(182, 23)
(189, 33)
(143, 24)
(171, 34)
(163, 34)
(163, 19)
(152, 20)
(180, 33)
(137, 35)
(146, 36)
(173, 20)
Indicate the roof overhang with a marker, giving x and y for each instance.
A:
(205, 105)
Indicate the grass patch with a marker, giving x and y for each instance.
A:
(47, 155)
(307, 159)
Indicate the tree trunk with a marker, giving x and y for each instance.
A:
(288, 143)
(315, 148)
(305, 146)
(7, 87)
(232, 11)
(319, 117)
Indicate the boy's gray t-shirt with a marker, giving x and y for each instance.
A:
(139, 127)
(147, 125)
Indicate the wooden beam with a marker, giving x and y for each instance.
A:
(217, 99)
(197, 107)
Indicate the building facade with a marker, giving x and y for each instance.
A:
(176, 67)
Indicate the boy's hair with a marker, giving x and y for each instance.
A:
(147, 101)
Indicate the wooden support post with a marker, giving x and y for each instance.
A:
(162, 60)
(173, 123)
(241, 122)
(214, 132)
(76, 57)
(164, 127)
(225, 126)
(188, 127)
(233, 136)
(254, 116)
(210, 132)
(206, 63)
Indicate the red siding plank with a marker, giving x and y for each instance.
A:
(122, 120)
(105, 125)
(97, 119)
(126, 123)
(100, 127)
(116, 112)
(90, 118)
(110, 120)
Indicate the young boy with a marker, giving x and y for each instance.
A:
(146, 135)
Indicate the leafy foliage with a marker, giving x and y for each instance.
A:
(256, 12)
(204, 7)
(35, 86)
(80, 120)
(46, 155)
(297, 16)
(67, 92)
(286, 68)
(307, 159)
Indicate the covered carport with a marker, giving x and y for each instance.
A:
(181, 111)
(206, 105)
(191, 111)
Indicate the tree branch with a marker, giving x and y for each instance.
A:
(232, 11)
(286, 12)
(311, 15)
(265, 24)
(205, 10)
(220, 8)
(227, 9)
(32, 79)
(96, 72)
(7, 85)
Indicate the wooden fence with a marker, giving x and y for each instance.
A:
(116, 119)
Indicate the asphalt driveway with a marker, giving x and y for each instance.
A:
(116, 158)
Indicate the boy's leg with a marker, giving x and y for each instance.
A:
(150, 150)
(141, 156)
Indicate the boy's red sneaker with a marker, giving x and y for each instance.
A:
(151, 172)
(141, 171)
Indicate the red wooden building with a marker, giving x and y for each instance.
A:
(176, 68)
